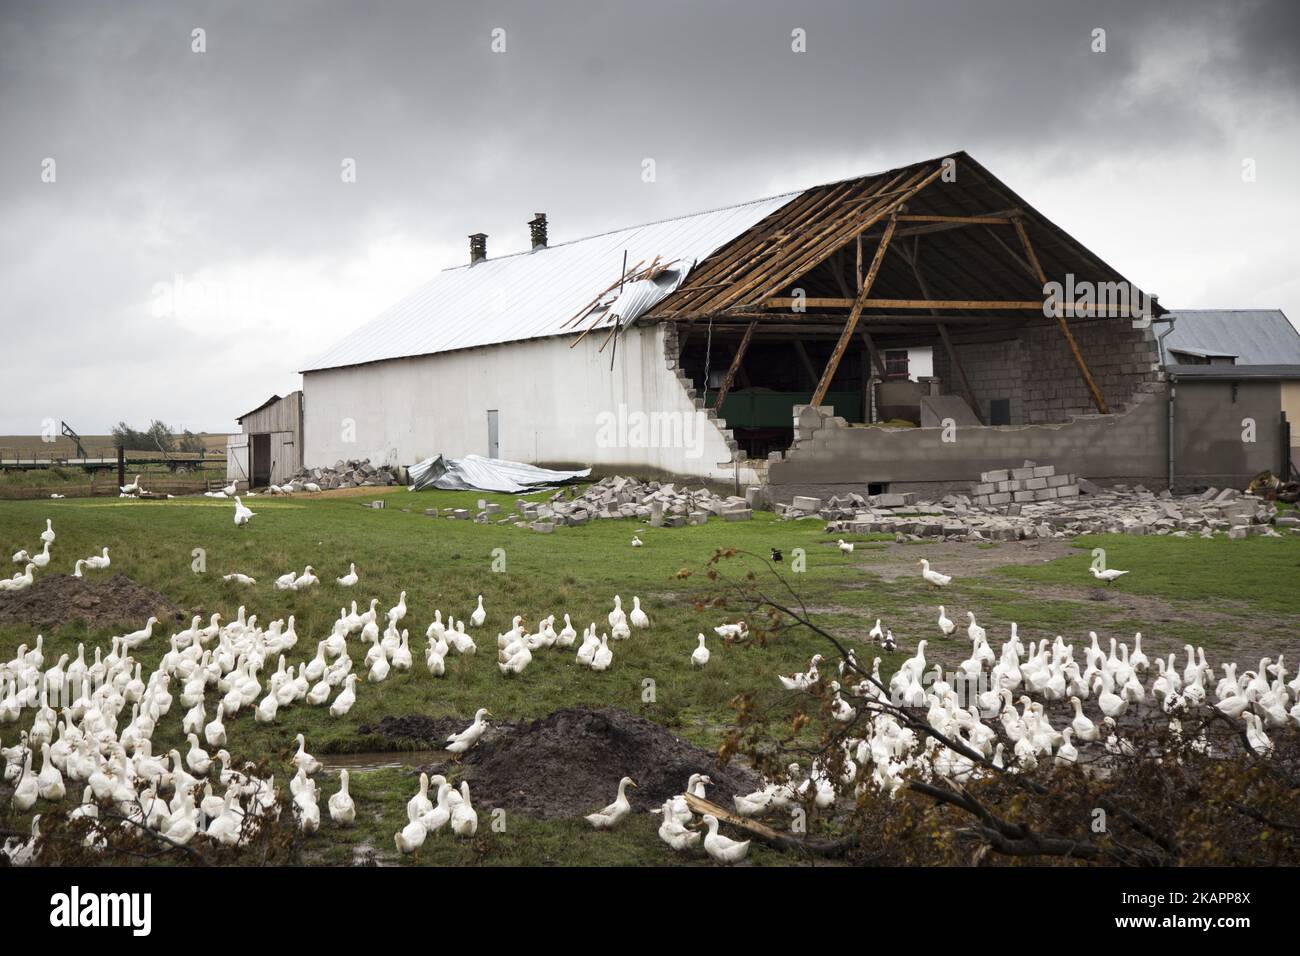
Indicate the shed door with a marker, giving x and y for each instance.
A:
(237, 458)
(260, 475)
(494, 443)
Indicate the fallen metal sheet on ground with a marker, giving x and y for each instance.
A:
(476, 473)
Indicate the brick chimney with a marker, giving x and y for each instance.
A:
(477, 247)
(537, 229)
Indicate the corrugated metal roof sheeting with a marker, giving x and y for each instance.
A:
(1254, 336)
(534, 294)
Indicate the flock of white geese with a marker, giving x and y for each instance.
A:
(92, 722)
(99, 739)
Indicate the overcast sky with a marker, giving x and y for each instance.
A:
(218, 174)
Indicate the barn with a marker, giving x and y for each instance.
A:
(268, 447)
(903, 330)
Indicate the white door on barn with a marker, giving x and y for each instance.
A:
(494, 435)
(237, 458)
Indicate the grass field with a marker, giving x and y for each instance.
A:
(1233, 597)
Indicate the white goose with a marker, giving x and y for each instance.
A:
(479, 616)
(700, 656)
(933, 577)
(242, 514)
(638, 617)
(48, 534)
(349, 579)
(610, 816)
(945, 625)
(461, 742)
(726, 851)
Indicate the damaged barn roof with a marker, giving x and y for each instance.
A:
(985, 251)
(537, 294)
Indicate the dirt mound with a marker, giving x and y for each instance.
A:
(430, 732)
(568, 764)
(57, 599)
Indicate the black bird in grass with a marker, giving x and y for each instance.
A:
(776, 554)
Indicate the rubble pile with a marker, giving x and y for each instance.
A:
(657, 504)
(353, 473)
(1088, 509)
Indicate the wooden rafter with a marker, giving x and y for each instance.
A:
(851, 324)
(1061, 321)
(970, 305)
(735, 365)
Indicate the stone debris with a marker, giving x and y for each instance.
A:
(656, 504)
(1089, 509)
(353, 473)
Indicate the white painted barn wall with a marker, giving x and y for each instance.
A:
(549, 398)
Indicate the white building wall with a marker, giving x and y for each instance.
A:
(556, 405)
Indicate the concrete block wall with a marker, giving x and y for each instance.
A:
(832, 457)
(1036, 370)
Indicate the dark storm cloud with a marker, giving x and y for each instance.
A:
(171, 162)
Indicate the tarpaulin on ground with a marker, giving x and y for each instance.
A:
(476, 473)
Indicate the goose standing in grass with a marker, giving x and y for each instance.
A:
(933, 577)
(587, 650)
(48, 534)
(974, 631)
(132, 488)
(603, 655)
(1108, 575)
(98, 561)
(398, 610)
(464, 818)
(732, 632)
(610, 816)
(242, 515)
(24, 579)
(945, 625)
(461, 742)
(343, 811)
(411, 837)
(285, 581)
(638, 617)
(1255, 736)
(349, 579)
(723, 849)
(306, 579)
(700, 656)
(303, 760)
(876, 633)
(568, 635)
(42, 559)
(617, 616)
(636, 541)
(346, 698)
(674, 833)
(215, 732)
(479, 616)
(805, 680)
(136, 638)
(237, 578)
(197, 759)
(846, 547)
(49, 782)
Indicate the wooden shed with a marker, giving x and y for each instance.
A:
(268, 448)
